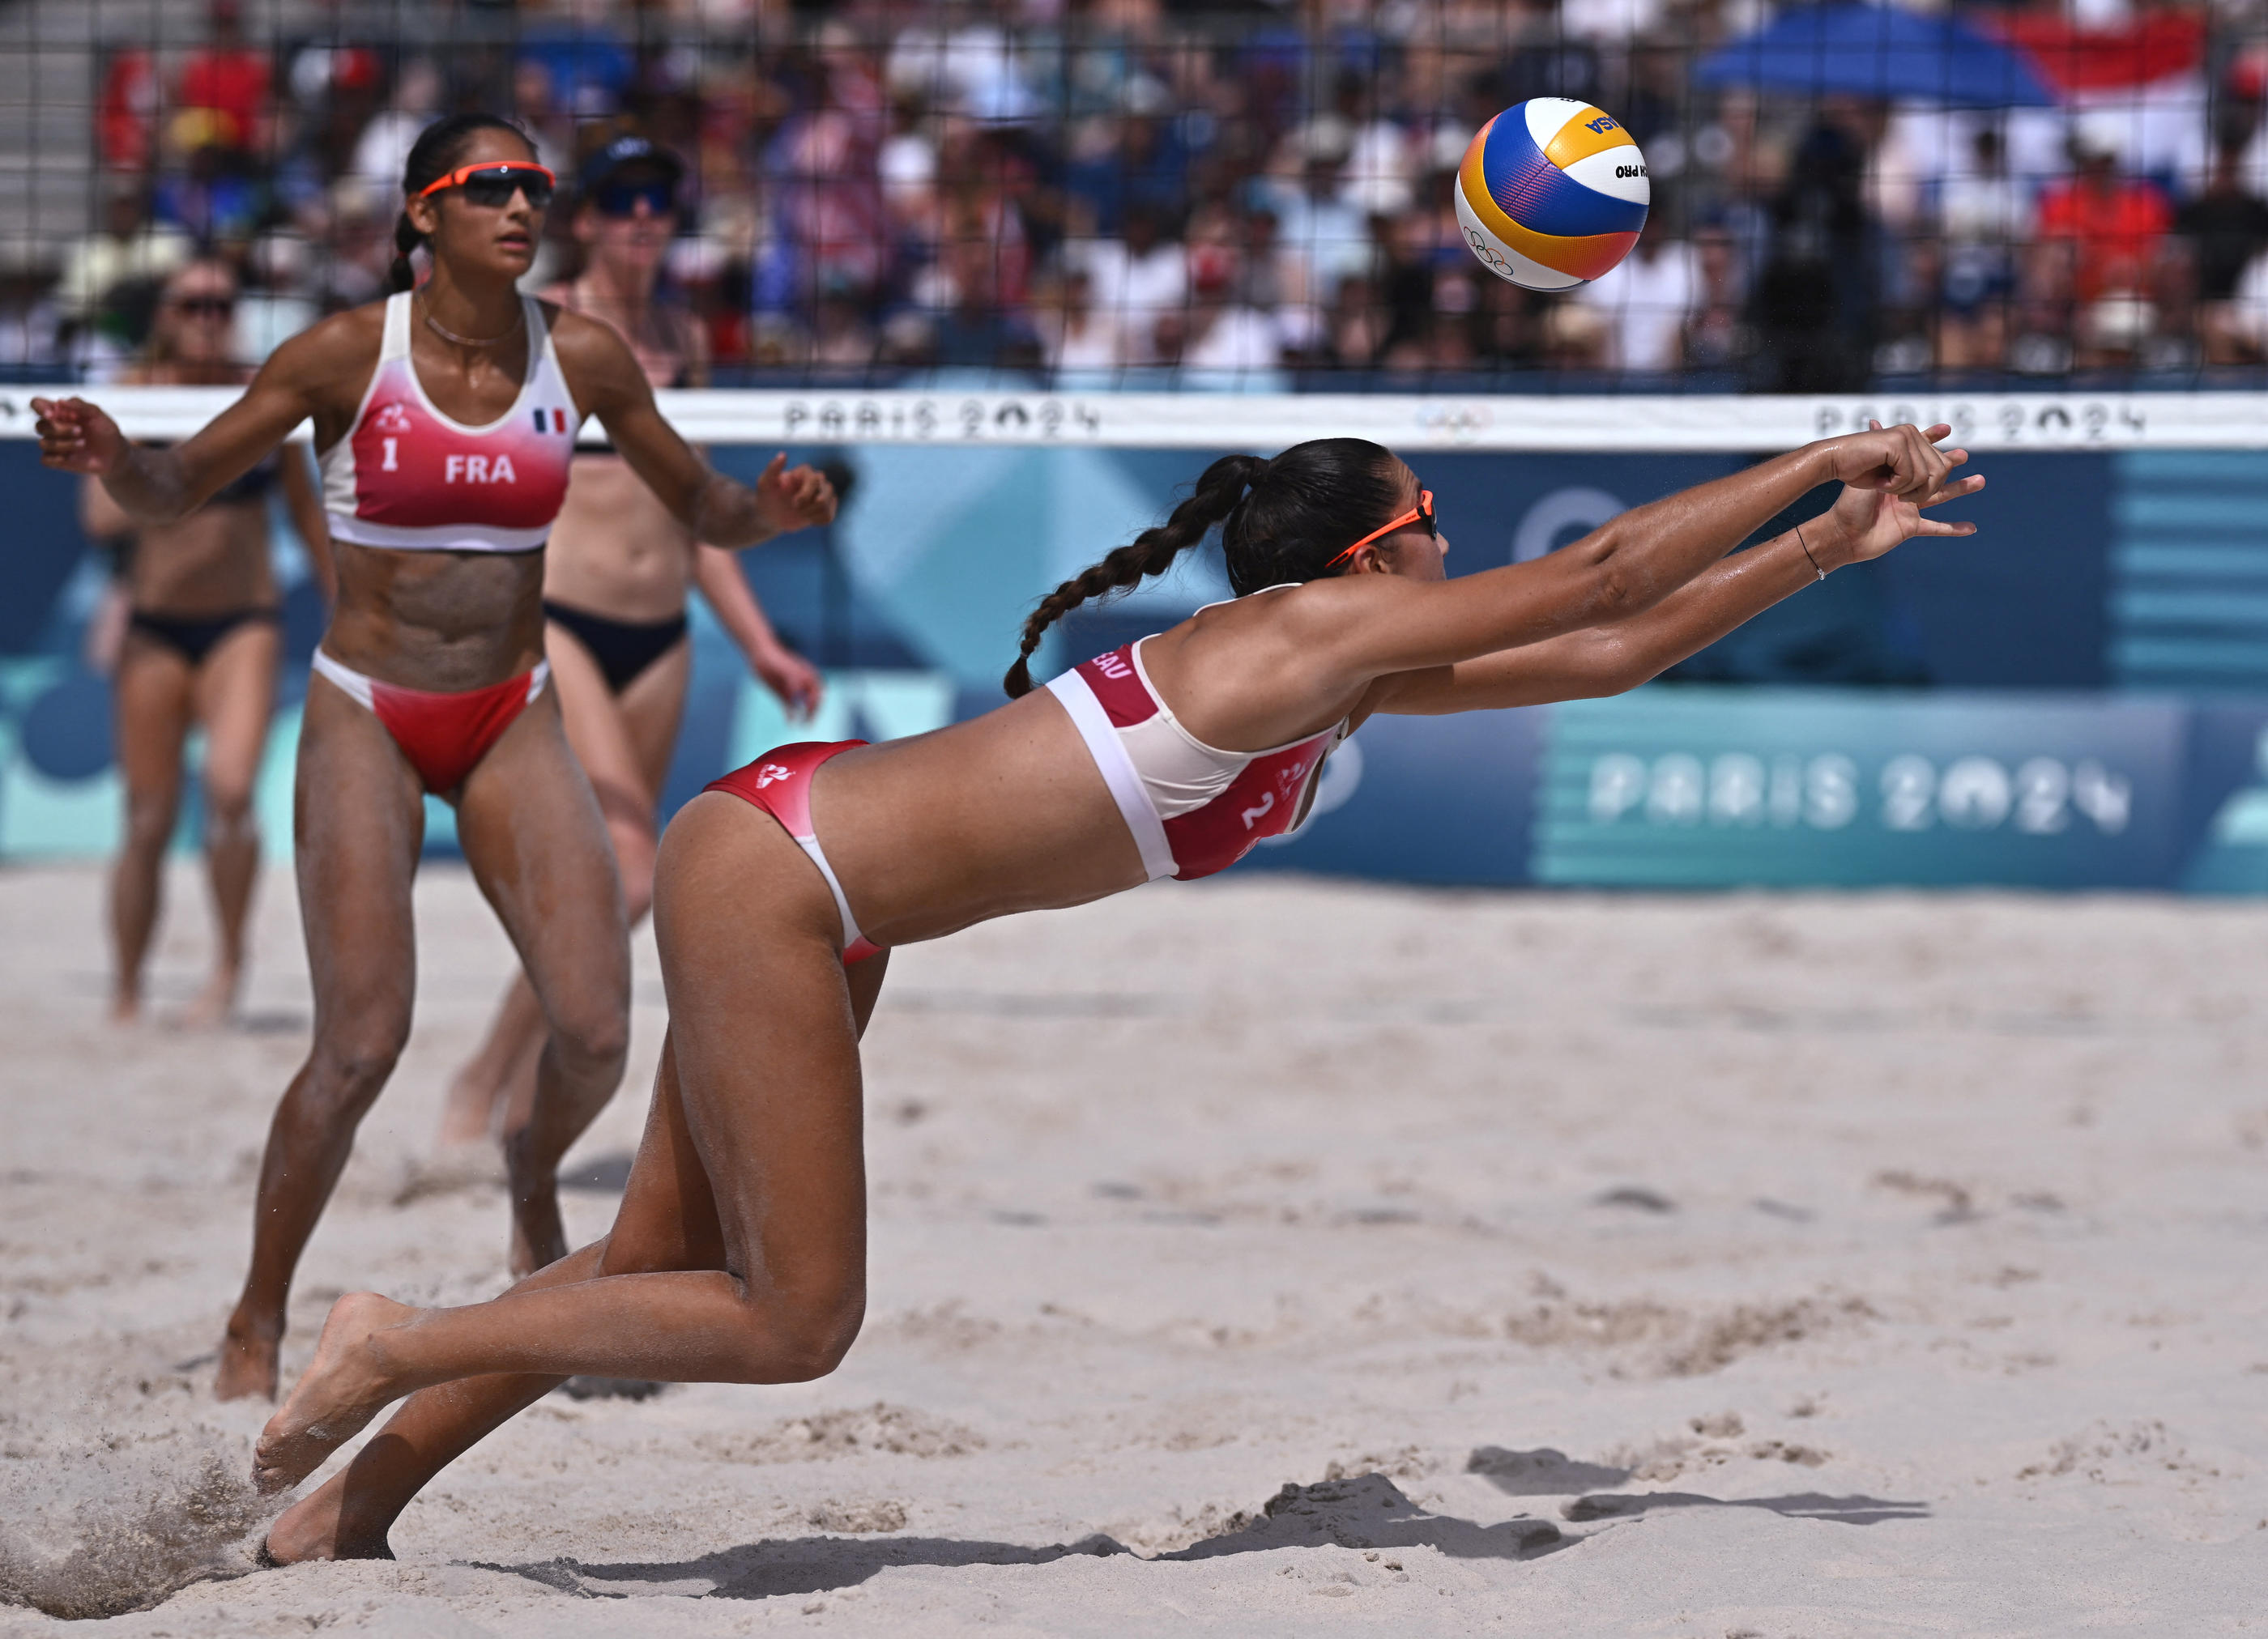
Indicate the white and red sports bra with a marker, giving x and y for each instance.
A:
(408, 478)
(1194, 809)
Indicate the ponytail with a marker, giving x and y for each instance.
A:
(1304, 507)
(1219, 491)
(402, 276)
(432, 156)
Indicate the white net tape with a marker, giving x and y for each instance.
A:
(1268, 422)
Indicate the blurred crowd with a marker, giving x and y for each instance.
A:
(1249, 192)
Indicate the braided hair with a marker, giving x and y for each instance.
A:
(432, 156)
(1281, 520)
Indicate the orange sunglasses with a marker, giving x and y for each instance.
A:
(492, 185)
(1421, 513)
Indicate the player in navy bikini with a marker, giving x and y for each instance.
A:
(616, 577)
(739, 1254)
(201, 643)
(445, 419)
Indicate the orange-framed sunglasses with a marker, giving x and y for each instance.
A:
(492, 185)
(1421, 513)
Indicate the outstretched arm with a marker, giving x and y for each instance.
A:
(785, 673)
(1623, 569)
(160, 486)
(607, 381)
(1618, 656)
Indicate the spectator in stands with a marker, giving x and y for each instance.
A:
(1312, 216)
(588, 66)
(1406, 268)
(1716, 337)
(1649, 300)
(1381, 164)
(209, 191)
(1984, 224)
(127, 108)
(840, 338)
(384, 147)
(356, 247)
(1273, 280)
(1136, 280)
(130, 244)
(230, 81)
(2223, 230)
(1076, 334)
(825, 184)
(1814, 305)
(972, 324)
(31, 331)
(2103, 242)
(1221, 335)
(536, 105)
(1135, 158)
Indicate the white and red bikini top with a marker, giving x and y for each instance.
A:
(408, 478)
(1193, 808)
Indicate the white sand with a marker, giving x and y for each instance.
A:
(1879, 1265)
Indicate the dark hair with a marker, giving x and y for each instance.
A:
(432, 156)
(1281, 520)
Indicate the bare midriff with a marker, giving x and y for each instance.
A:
(445, 621)
(213, 562)
(615, 550)
(1002, 813)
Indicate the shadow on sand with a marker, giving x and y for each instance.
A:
(1548, 1473)
(1368, 1511)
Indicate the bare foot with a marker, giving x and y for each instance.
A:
(316, 1528)
(125, 1009)
(216, 1004)
(469, 1113)
(539, 1237)
(247, 1362)
(342, 1390)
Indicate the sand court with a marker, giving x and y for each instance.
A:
(1263, 1257)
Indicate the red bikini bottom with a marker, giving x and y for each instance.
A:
(779, 782)
(444, 736)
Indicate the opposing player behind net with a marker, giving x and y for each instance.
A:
(202, 638)
(445, 418)
(739, 1254)
(615, 578)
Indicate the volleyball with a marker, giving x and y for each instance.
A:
(1553, 194)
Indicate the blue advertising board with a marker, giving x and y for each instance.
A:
(1956, 714)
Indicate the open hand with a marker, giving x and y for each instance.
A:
(796, 499)
(1880, 507)
(790, 677)
(75, 437)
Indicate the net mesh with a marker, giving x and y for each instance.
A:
(1134, 193)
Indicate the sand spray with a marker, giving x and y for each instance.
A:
(120, 1519)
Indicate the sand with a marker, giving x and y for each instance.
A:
(1264, 1258)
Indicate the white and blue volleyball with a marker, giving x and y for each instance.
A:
(1553, 194)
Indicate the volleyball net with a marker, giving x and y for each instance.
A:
(1842, 196)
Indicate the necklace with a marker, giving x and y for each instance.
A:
(446, 335)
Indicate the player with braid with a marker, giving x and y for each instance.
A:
(739, 1254)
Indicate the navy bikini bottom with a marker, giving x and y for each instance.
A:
(623, 649)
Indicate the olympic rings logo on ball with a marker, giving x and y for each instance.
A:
(1488, 253)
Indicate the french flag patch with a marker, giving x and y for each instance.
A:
(551, 421)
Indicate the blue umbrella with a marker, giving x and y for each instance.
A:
(1880, 52)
